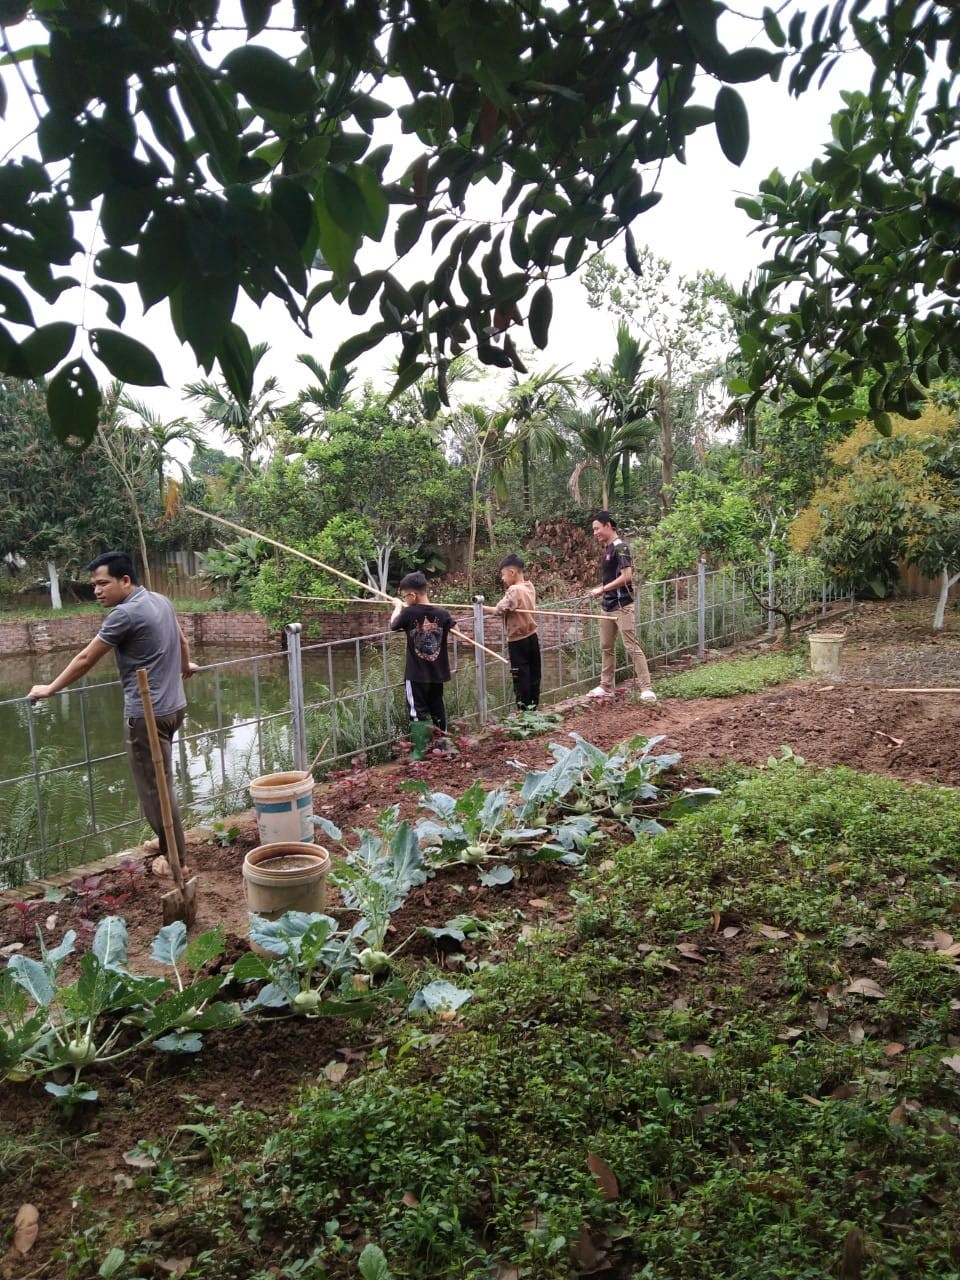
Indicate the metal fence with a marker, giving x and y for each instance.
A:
(267, 712)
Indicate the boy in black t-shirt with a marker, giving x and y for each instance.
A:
(428, 664)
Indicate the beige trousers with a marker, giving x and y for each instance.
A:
(623, 621)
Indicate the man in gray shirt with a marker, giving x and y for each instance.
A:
(142, 630)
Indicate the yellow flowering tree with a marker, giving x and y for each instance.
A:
(890, 500)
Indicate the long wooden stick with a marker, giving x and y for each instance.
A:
(457, 604)
(548, 613)
(477, 645)
(328, 568)
(891, 689)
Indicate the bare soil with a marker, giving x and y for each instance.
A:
(858, 718)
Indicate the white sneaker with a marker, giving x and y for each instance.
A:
(599, 692)
(647, 695)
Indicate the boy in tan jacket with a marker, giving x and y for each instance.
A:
(518, 608)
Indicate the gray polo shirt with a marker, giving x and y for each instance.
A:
(143, 632)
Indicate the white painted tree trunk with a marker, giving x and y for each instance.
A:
(54, 580)
(946, 582)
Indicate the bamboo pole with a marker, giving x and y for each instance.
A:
(457, 604)
(328, 568)
(892, 689)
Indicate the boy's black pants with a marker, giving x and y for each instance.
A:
(425, 701)
(525, 670)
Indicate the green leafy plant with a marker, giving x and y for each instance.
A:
(301, 958)
(585, 779)
(75, 1022)
(726, 678)
(474, 826)
(374, 880)
(530, 724)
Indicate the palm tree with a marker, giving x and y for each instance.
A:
(159, 436)
(329, 392)
(624, 394)
(477, 433)
(606, 442)
(247, 421)
(534, 407)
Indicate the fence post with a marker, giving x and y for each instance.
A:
(771, 592)
(481, 667)
(298, 721)
(701, 607)
(823, 599)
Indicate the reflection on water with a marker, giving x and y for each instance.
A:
(94, 811)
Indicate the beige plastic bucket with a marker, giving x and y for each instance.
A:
(285, 876)
(284, 805)
(825, 647)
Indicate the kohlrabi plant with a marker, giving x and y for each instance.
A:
(585, 780)
(177, 1022)
(306, 964)
(374, 880)
(477, 826)
(103, 1011)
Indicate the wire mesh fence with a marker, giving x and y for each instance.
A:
(72, 801)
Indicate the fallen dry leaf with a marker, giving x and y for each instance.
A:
(688, 950)
(775, 935)
(26, 1228)
(790, 1033)
(542, 904)
(953, 1062)
(893, 1048)
(866, 987)
(731, 931)
(588, 1255)
(856, 1032)
(175, 1266)
(715, 920)
(606, 1178)
(942, 941)
(335, 1071)
(137, 1161)
(410, 1200)
(702, 1051)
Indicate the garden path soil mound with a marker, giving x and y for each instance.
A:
(855, 718)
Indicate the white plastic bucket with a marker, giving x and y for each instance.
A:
(284, 805)
(825, 647)
(285, 876)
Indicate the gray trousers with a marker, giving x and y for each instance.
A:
(144, 775)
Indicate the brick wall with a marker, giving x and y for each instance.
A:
(200, 628)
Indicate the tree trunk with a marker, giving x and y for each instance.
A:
(527, 483)
(54, 580)
(625, 474)
(946, 582)
(665, 408)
